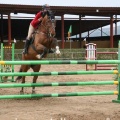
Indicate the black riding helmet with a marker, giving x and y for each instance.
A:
(45, 9)
(46, 6)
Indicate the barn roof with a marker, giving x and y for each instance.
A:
(59, 10)
(72, 10)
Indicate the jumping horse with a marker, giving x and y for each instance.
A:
(40, 45)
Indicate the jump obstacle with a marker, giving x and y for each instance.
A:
(54, 62)
(7, 53)
(91, 54)
(58, 83)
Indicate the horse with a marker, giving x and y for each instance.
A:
(44, 39)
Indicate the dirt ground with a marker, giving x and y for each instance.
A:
(63, 108)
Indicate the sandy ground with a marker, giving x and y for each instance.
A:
(64, 108)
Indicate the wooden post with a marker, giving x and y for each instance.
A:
(111, 32)
(62, 30)
(9, 29)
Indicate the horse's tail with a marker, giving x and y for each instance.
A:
(19, 77)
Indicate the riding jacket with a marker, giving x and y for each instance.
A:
(35, 22)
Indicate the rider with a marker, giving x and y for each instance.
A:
(34, 24)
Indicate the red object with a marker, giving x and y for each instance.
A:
(35, 22)
(106, 52)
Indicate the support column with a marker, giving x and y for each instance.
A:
(111, 32)
(101, 31)
(9, 29)
(88, 34)
(62, 31)
(80, 31)
(1, 33)
(115, 24)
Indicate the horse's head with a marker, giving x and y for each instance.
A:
(49, 23)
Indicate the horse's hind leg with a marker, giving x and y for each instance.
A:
(35, 68)
(24, 69)
(22, 89)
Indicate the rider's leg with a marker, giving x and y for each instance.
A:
(27, 42)
(26, 46)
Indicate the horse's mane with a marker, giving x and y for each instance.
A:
(50, 15)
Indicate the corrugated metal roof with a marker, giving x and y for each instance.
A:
(79, 3)
(59, 10)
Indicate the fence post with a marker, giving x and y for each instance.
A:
(11, 67)
(118, 99)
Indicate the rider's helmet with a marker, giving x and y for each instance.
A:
(46, 7)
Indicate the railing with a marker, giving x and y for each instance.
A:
(76, 54)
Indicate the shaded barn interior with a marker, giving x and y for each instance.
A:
(19, 27)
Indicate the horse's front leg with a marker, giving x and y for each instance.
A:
(41, 50)
(58, 51)
(54, 44)
(22, 89)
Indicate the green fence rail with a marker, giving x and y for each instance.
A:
(58, 95)
(58, 84)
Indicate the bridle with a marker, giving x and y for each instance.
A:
(49, 28)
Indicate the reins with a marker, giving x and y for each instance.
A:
(46, 28)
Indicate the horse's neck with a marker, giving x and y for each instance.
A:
(42, 27)
(42, 32)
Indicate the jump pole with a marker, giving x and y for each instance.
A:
(53, 84)
(54, 73)
(47, 62)
(58, 95)
(67, 84)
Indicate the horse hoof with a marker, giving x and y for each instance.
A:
(33, 92)
(5, 78)
(17, 81)
(21, 92)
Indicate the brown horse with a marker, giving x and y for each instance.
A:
(43, 41)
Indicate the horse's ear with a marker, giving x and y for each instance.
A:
(51, 15)
(48, 12)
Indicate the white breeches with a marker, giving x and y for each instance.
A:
(30, 31)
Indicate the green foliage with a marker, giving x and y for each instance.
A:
(75, 54)
(107, 56)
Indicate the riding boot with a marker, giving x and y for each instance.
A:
(26, 46)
